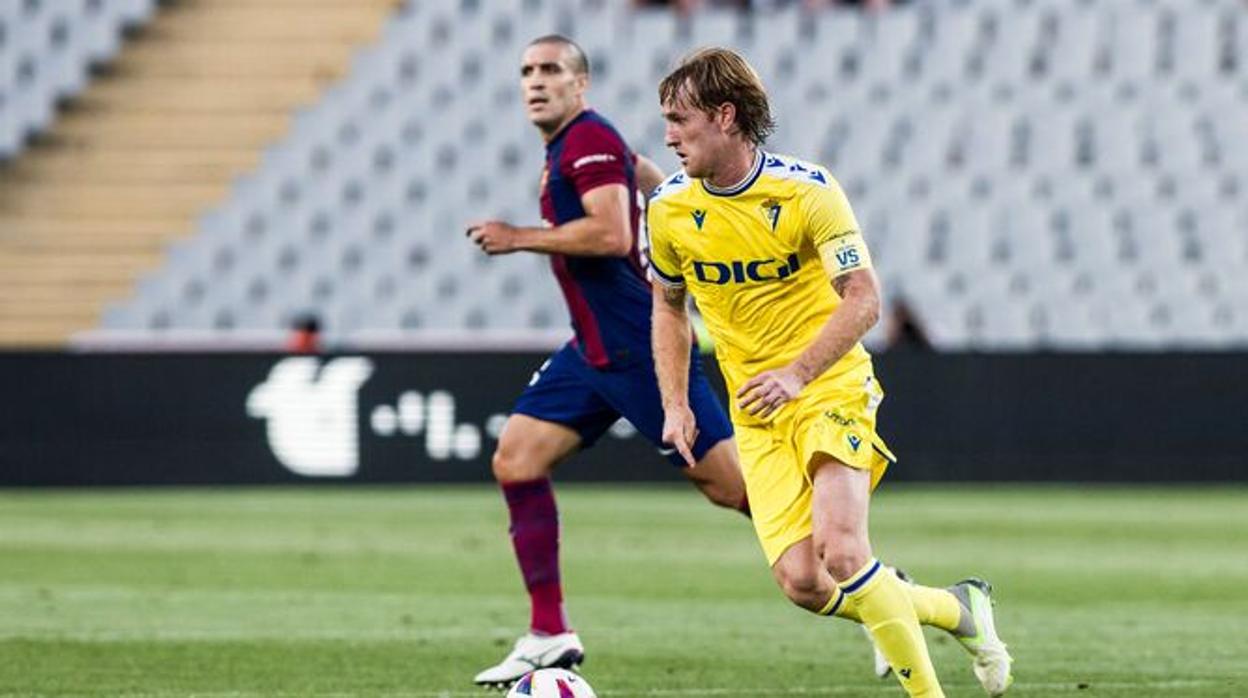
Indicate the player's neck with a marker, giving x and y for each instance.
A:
(738, 167)
(553, 133)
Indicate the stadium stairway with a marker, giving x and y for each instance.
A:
(187, 106)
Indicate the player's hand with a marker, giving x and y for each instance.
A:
(767, 392)
(680, 430)
(493, 237)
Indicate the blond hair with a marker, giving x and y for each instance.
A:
(710, 77)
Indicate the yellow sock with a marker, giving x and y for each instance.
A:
(935, 607)
(938, 608)
(840, 606)
(888, 613)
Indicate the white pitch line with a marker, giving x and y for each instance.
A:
(397, 633)
(884, 687)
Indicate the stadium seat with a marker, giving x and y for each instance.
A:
(46, 51)
(1026, 173)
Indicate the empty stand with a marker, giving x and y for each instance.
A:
(138, 154)
(1044, 173)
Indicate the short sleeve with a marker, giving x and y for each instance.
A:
(594, 156)
(833, 229)
(664, 261)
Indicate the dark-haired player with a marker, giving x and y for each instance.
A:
(592, 211)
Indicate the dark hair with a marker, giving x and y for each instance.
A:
(306, 322)
(710, 77)
(580, 61)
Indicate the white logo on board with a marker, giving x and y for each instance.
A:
(435, 418)
(312, 413)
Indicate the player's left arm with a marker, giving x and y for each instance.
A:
(834, 231)
(846, 326)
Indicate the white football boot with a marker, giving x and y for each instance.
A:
(992, 662)
(563, 651)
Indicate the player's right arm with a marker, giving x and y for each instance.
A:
(604, 231)
(596, 162)
(648, 174)
(671, 337)
(672, 341)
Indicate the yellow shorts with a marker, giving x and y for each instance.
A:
(836, 419)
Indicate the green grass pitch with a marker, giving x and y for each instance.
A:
(409, 591)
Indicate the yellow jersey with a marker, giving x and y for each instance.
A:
(754, 257)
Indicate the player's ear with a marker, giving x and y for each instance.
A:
(726, 117)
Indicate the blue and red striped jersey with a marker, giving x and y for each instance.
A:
(608, 297)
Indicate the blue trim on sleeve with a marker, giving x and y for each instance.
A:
(664, 276)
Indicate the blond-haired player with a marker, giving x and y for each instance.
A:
(769, 248)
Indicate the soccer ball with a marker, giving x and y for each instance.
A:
(551, 683)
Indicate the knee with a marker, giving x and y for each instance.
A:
(843, 553)
(718, 476)
(803, 587)
(723, 494)
(510, 466)
(502, 465)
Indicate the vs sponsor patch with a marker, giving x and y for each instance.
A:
(848, 255)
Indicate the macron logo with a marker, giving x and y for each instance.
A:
(311, 412)
(591, 159)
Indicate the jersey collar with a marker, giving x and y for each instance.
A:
(755, 170)
(563, 131)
